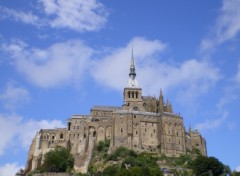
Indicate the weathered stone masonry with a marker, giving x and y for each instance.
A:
(142, 123)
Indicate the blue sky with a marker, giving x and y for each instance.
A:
(59, 58)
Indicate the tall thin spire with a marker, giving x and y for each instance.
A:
(132, 82)
(161, 94)
(132, 66)
(161, 103)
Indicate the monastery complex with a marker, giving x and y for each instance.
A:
(142, 123)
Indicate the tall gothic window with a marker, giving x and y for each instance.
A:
(61, 136)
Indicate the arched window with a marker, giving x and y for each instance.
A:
(132, 94)
(135, 108)
(61, 136)
(128, 94)
(53, 137)
(69, 126)
(136, 94)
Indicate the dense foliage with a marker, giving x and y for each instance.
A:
(203, 165)
(125, 162)
(58, 160)
(116, 170)
(122, 162)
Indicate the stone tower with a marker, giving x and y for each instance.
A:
(132, 93)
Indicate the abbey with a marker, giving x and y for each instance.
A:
(142, 123)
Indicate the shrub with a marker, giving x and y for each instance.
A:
(58, 160)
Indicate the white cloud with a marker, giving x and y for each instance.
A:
(8, 124)
(16, 129)
(78, 15)
(212, 124)
(110, 70)
(25, 17)
(152, 74)
(58, 64)
(227, 25)
(10, 169)
(14, 96)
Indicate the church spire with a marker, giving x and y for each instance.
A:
(132, 67)
(132, 82)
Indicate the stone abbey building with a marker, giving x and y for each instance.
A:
(142, 123)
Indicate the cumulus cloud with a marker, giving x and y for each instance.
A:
(227, 25)
(20, 130)
(58, 64)
(25, 17)
(10, 169)
(153, 74)
(109, 71)
(14, 96)
(78, 15)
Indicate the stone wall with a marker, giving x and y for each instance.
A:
(151, 129)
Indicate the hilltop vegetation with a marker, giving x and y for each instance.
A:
(125, 162)
(57, 160)
(122, 162)
(128, 163)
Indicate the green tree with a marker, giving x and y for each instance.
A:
(58, 160)
(103, 146)
(155, 171)
(111, 170)
(121, 152)
(136, 171)
(205, 165)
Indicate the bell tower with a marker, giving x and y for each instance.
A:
(132, 92)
